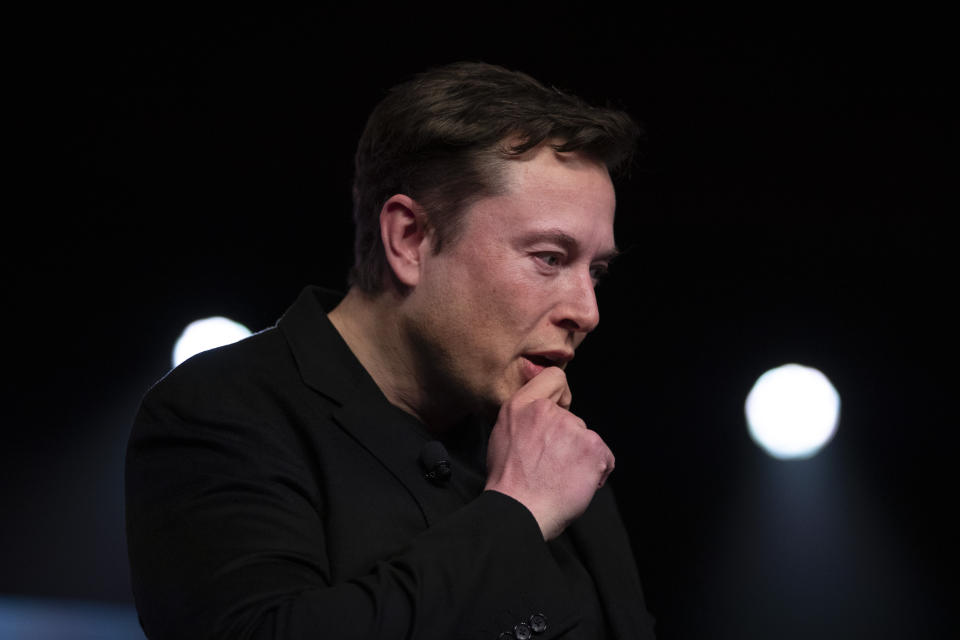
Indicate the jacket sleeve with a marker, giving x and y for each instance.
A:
(226, 541)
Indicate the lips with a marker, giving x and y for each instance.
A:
(556, 358)
(534, 363)
(543, 361)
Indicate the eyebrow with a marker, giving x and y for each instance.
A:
(565, 240)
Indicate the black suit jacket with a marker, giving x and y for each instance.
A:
(271, 493)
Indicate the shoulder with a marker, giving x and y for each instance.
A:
(231, 375)
(248, 394)
(260, 356)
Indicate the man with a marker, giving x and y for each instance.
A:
(296, 484)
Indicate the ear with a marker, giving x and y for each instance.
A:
(404, 234)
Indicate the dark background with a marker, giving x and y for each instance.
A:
(792, 204)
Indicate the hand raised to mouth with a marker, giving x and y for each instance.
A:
(544, 456)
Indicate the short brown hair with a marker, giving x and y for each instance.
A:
(441, 137)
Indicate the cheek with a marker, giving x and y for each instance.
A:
(521, 312)
(491, 284)
(500, 298)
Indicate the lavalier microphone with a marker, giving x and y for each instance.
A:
(435, 461)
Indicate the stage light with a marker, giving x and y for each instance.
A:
(207, 333)
(792, 411)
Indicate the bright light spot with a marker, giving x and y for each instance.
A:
(208, 333)
(792, 411)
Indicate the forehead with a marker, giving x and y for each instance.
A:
(566, 193)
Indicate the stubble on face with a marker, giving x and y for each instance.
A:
(483, 301)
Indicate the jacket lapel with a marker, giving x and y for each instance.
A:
(395, 440)
(329, 367)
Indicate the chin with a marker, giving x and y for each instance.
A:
(487, 401)
(489, 404)
(504, 394)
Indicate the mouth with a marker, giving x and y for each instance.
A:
(550, 358)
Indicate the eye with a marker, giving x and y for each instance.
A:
(599, 272)
(549, 258)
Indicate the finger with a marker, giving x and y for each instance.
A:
(607, 470)
(550, 383)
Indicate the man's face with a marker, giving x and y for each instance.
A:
(515, 291)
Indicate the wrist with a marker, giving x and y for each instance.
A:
(549, 527)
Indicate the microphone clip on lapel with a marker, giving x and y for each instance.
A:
(435, 461)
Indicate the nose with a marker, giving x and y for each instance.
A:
(579, 312)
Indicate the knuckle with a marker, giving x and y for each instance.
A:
(601, 450)
(594, 440)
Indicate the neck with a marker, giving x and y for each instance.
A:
(372, 326)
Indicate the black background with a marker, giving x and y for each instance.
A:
(792, 203)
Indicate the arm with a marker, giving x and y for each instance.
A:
(227, 539)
